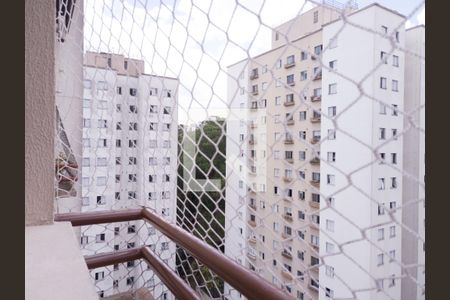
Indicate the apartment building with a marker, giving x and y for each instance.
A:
(274, 127)
(413, 214)
(129, 160)
(287, 159)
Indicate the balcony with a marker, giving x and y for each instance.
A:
(289, 65)
(255, 92)
(316, 98)
(315, 119)
(287, 178)
(254, 105)
(315, 161)
(289, 103)
(290, 83)
(315, 140)
(287, 254)
(252, 240)
(290, 122)
(251, 255)
(254, 76)
(252, 223)
(236, 275)
(314, 204)
(289, 160)
(288, 217)
(288, 198)
(285, 235)
(288, 141)
(253, 125)
(252, 205)
(318, 76)
(315, 183)
(252, 141)
(313, 285)
(287, 275)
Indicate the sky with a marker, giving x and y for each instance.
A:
(195, 40)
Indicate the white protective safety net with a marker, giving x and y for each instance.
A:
(287, 134)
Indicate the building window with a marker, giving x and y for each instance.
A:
(380, 259)
(394, 85)
(99, 276)
(331, 134)
(393, 182)
(331, 156)
(330, 225)
(131, 229)
(84, 240)
(382, 133)
(279, 63)
(132, 195)
(153, 91)
(316, 16)
(384, 29)
(318, 49)
(133, 126)
(303, 55)
(392, 231)
(383, 57)
(397, 36)
(395, 61)
(100, 238)
(382, 108)
(392, 281)
(302, 155)
(132, 178)
(380, 234)
(117, 196)
(394, 133)
(380, 209)
(86, 103)
(330, 179)
(101, 200)
(130, 280)
(383, 83)
(332, 88)
(118, 108)
(394, 158)
(303, 75)
(333, 64)
(391, 255)
(132, 143)
(381, 184)
(133, 92)
(395, 110)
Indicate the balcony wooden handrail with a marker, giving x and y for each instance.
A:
(174, 283)
(246, 282)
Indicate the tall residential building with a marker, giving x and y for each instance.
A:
(129, 160)
(279, 175)
(413, 248)
(272, 154)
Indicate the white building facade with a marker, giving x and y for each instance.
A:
(357, 184)
(129, 160)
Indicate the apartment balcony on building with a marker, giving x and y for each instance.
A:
(316, 118)
(254, 104)
(254, 74)
(290, 62)
(288, 139)
(289, 100)
(255, 90)
(286, 253)
(287, 275)
(316, 98)
(318, 76)
(315, 160)
(288, 216)
(315, 139)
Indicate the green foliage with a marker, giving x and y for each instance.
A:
(202, 213)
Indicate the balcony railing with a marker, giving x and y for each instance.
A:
(315, 119)
(290, 122)
(249, 284)
(289, 103)
(315, 161)
(315, 139)
(288, 141)
(254, 76)
(315, 183)
(316, 98)
(289, 64)
(285, 253)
